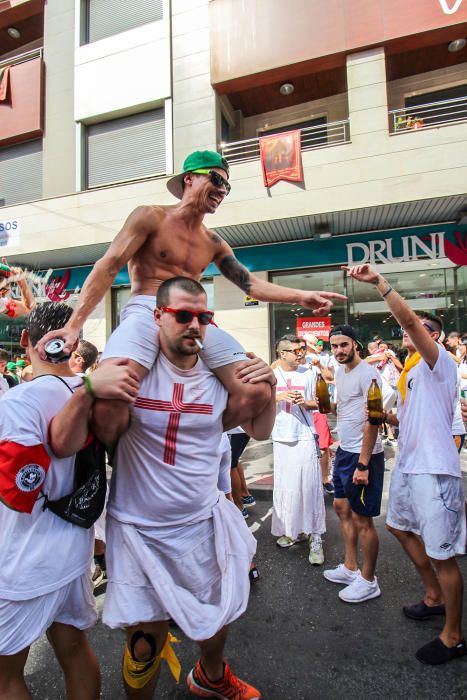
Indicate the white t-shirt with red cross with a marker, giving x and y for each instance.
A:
(167, 461)
(425, 419)
(39, 551)
(294, 422)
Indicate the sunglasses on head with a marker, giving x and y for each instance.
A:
(297, 351)
(216, 179)
(185, 316)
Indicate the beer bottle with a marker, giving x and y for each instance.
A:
(322, 394)
(375, 404)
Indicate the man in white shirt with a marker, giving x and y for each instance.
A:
(45, 582)
(358, 470)
(176, 547)
(298, 503)
(426, 500)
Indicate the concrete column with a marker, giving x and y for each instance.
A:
(59, 155)
(248, 324)
(194, 103)
(367, 91)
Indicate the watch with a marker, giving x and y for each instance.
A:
(362, 467)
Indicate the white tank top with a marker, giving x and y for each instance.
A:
(167, 462)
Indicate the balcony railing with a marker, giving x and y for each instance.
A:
(22, 57)
(432, 114)
(321, 136)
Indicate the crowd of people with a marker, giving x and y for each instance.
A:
(168, 388)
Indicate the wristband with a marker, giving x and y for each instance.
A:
(362, 467)
(388, 290)
(88, 386)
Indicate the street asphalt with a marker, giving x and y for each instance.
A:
(298, 640)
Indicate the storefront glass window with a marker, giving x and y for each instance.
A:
(10, 334)
(434, 289)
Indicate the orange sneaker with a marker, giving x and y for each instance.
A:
(228, 688)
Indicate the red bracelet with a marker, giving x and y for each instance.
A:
(10, 308)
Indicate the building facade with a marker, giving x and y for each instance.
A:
(105, 98)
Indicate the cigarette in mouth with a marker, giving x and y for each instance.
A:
(198, 343)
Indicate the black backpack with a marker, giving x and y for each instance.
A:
(85, 503)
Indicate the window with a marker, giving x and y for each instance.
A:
(455, 110)
(21, 173)
(108, 17)
(317, 137)
(126, 148)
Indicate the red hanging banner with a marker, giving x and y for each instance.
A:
(281, 157)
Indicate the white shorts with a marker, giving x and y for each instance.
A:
(432, 506)
(23, 622)
(137, 338)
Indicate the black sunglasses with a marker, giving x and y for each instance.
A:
(185, 316)
(216, 179)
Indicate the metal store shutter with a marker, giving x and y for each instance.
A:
(126, 148)
(21, 172)
(109, 17)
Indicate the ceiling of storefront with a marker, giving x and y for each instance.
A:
(401, 215)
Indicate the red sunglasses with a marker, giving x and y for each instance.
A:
(184, 316)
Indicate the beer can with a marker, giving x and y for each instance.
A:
(54, 351)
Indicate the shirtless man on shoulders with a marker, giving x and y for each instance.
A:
(160, 242)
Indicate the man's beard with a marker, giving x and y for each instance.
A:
(181, 348)
(349, 358)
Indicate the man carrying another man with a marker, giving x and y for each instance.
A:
(176, 547)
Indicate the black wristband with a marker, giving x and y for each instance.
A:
(362, 467)
(389, 289)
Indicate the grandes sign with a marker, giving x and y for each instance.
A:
(319, 327)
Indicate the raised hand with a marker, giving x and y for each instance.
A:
(362, 273)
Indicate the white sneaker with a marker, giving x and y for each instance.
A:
(341, 574)
(316, 555)
(360, 590)
(285, 541)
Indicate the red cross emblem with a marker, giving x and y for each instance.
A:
(176, 407)
(289, 387)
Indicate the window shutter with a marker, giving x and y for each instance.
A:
(126, 148)
(21, 172)
(109, 17)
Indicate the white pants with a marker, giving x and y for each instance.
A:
(196, 574)
(22, 622)
(432, 506)
(298, 501)
(137, 338)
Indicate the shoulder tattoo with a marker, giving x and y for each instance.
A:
(215, 238)
(235, 272)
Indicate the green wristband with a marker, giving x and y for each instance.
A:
(88, 386)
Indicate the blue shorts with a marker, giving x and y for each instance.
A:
(364, 500)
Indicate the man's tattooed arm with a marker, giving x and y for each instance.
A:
(235, 272)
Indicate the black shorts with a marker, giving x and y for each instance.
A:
(238, 442)
(364, 500)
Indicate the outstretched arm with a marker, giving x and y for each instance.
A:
(127, 242)
(230, 267)
(401, 311)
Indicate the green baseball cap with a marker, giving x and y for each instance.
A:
(198, 160)
(5, 270)
(21, 363)
(320, 342)
(11, 365)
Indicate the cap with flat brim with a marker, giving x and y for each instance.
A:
(198, 160)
